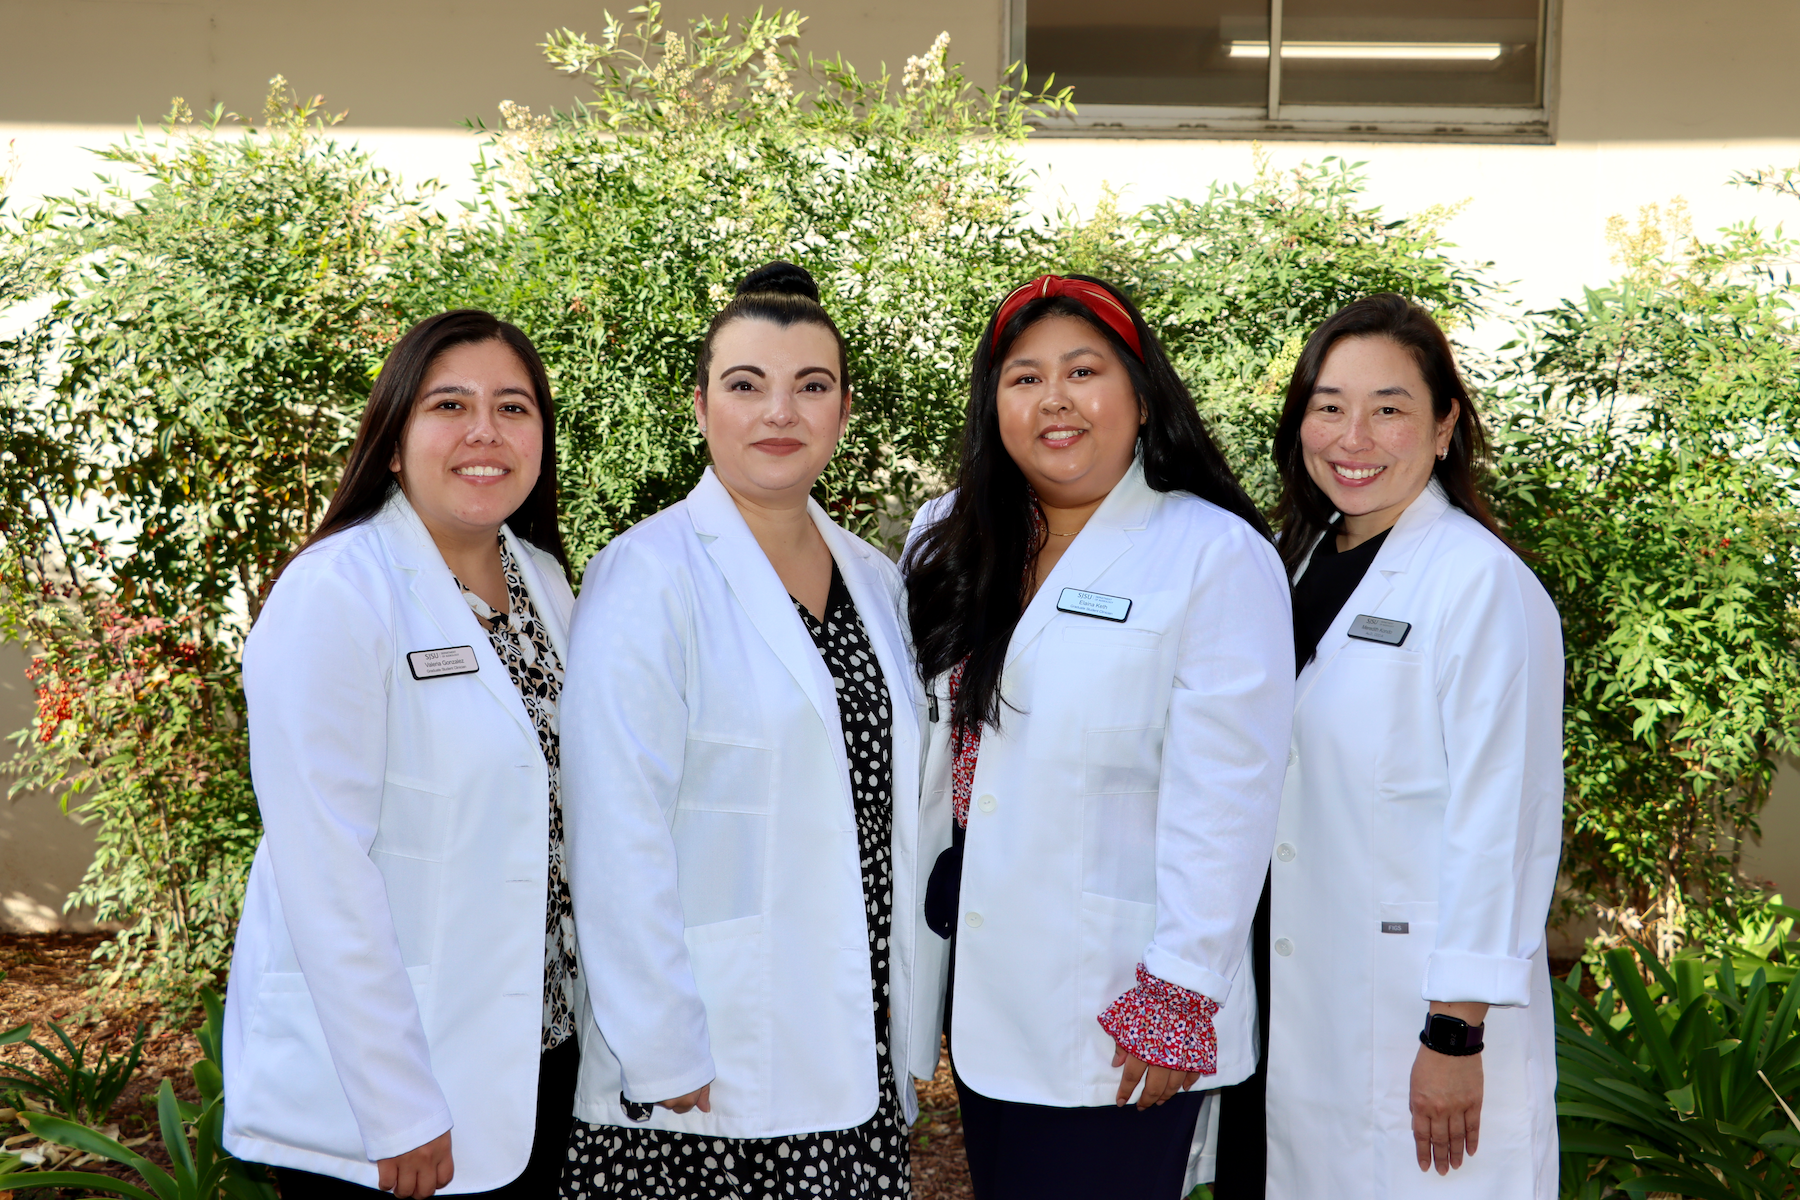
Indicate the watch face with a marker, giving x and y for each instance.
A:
(1447, 1032)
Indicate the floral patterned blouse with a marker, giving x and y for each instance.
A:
(523, 644)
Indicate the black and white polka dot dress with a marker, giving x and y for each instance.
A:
(871, 1161)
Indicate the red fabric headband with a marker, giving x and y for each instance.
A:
(1096, 299)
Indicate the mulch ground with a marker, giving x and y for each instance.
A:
(43, 982)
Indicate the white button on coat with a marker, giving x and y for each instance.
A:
(1431, 800)
(1285, 852)
(1283, 947)
(974, 920)
(987, 804)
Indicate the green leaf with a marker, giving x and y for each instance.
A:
(90, 1181)
(65, 1132)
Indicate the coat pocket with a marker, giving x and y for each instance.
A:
(730, 960)
(1114, 933)
(721, 864)
(1404, 934)
(721, 776)
(416, 816)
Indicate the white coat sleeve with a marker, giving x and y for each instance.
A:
(316, 671)
(624, 721)
(1499, 684)
(1225, 750)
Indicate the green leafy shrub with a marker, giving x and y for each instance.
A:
(200, 345)
(1677, 1086)
(67, 1081)
(202, 1169)
(616, 231)
(1648, 464)
(1235, 282)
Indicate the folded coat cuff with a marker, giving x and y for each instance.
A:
(667, 1087)
(1457, 976)
(393, 1145)
(1184, 974)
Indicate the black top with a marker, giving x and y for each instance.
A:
(1324, 589)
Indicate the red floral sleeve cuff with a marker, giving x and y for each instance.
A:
(1165, 1025)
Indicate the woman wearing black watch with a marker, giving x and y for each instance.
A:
(1402, 940)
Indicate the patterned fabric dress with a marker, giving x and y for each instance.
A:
(870, 1161)
(519, 638)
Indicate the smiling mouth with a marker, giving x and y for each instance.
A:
(480, 472)
(1062, 435)
(1357, 474)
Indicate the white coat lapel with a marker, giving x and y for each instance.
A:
(752, 579)
(1393, 559)
(435, 590)
(1099, 544)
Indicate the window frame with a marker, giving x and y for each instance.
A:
(1383, 122)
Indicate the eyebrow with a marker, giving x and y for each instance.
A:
(460, 389)
(802, 373)
(1077, 352)
(1395, 390)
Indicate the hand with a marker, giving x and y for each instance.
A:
(420, 1172)
(1160, 1083)
(701, 1100)
(1446, 1108)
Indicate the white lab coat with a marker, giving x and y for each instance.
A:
(1124, 809)
(1424, 794)
(387, 982)
(713, 851)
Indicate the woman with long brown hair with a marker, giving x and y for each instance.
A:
(1409, 996)
(402, 999)
(1104, 628)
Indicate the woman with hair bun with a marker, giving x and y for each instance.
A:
(741, 742)
(1105, 627)
(1410, 1019)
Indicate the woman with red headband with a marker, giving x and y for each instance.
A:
(1104, 626)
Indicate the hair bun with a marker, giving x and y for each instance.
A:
(781, 278)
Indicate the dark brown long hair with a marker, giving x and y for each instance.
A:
(965, 574)
(367, 481)
(1305, 512)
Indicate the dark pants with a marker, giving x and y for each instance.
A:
(549, 1145)
(1243, 1163)
(1040, 1152)
(1036, 1152)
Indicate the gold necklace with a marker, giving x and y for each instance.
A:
(1051, 532)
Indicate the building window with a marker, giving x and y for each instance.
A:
(1459, 68)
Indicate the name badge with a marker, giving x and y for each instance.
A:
(451, 660)
(1396, 927)
(1093, 604)
(1380, 629)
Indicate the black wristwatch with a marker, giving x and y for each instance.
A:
(1450, 1035)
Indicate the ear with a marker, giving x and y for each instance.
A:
(1447, 427)
(394, 460)
(844, 417)
(700, 408)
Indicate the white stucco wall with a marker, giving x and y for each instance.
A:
(43, 852)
